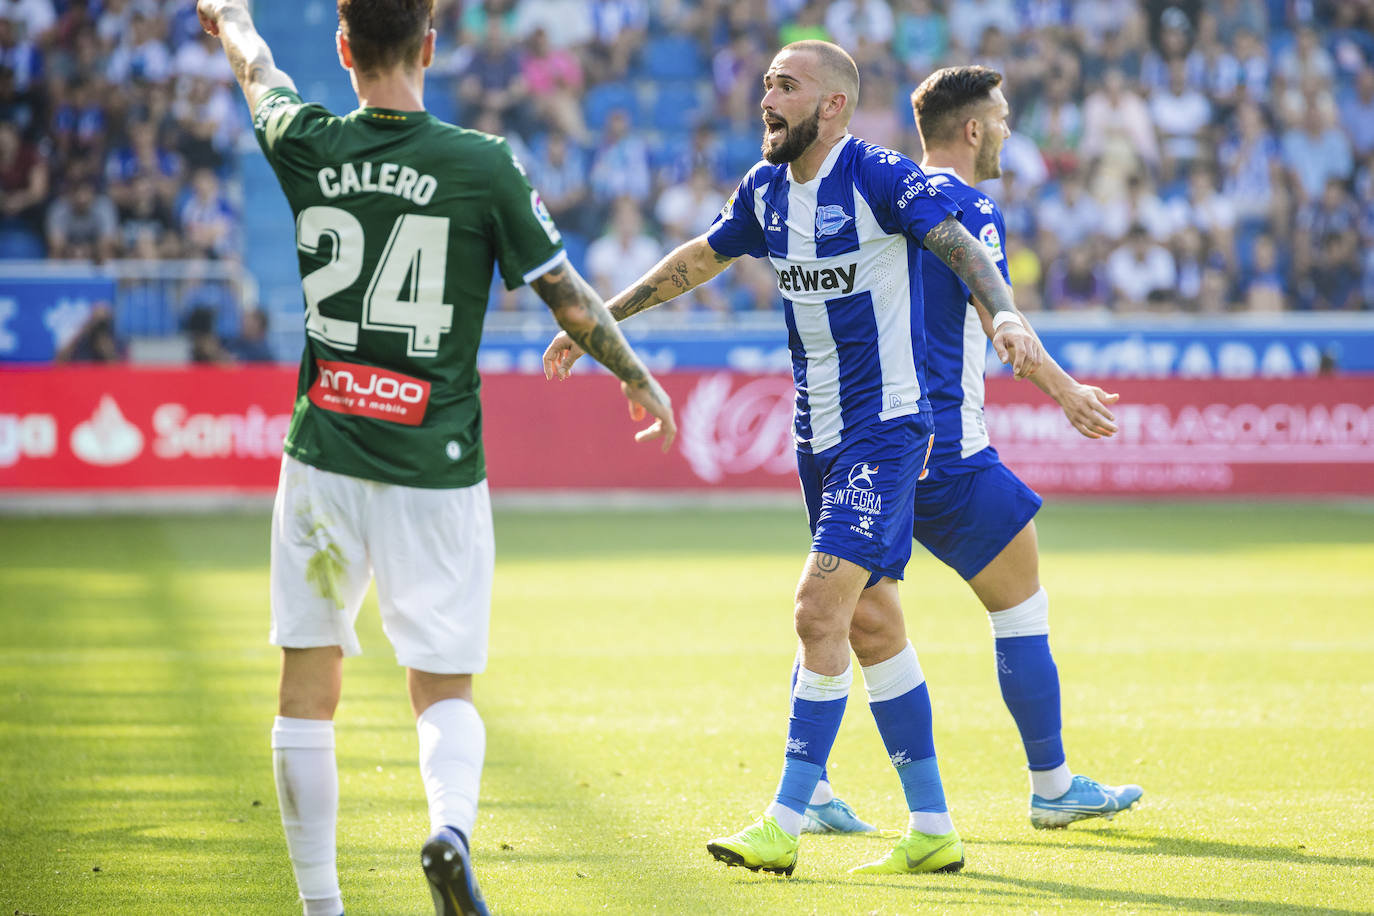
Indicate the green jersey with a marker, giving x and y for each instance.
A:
(399, 220)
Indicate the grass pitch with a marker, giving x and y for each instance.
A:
(1218, 654)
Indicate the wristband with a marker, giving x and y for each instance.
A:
(1006, 317)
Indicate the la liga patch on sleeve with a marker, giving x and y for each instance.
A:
(989, 237)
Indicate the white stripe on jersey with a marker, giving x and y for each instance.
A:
(891, 311)
(974, 436)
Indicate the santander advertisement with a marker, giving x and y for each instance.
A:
(97, 429)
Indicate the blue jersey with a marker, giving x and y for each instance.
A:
(956, 345)
(846, 248)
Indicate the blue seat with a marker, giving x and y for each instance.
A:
(20, 245)
(601, 100)
(676, 106)
(672, 57)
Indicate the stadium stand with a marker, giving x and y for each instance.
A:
(1172, 156)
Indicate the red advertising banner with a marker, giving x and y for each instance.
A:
(97, 429)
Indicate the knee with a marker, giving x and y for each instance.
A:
(876, 634)
(817, 621)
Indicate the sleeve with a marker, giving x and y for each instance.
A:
(526, 241)
(736, 231)
(899, 195)
(983, 220)
(282, 120)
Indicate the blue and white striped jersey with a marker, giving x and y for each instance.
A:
(956, 345)
(845, 247)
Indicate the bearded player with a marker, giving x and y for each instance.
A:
(399, 220)
(972, 513)
(843, 223)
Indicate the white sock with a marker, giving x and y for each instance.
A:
(823, 794)
(1051, 783)
(308, 794)
(453, 742)
(789, 820)
(933, 822)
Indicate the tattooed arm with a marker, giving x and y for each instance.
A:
(967, 257)
(690, 265)
(584, 319)
(249, 57)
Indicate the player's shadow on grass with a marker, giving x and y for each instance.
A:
(1044, 891)
(1153, 845)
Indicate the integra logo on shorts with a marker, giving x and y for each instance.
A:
(800, 280)
(369, 391)
(859, 494)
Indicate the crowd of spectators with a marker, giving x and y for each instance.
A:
(1167, 155)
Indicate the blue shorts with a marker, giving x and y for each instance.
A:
(860, 493)
(966, 519)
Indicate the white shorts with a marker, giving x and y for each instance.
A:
(432, 552)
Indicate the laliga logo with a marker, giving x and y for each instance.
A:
(861, 476)
(725, 432)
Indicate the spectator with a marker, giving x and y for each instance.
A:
(1327, 250)
(1181, 114)
(809, 23)
(492, 79)
(1237, 16)
(32, 20)
(82, 225)
(1357, 113)
(1027, 273)
(559, 173)
(19, 56)
(142, 158)
(625, 253)
(95, 341)
(251, 345)
(848, 21)
(1054, 120)
(23, 183)
(146, 227)
(920, 38)
(1118, 134)
(1317, 153)
(1139, 206)
(1073, 214)
(1306, 60)
(687, 209)
(619, 29)
(968, 19)
(206, 347)
(553, 76)
(1075, 282)
(1265, 285)
(620, 165)
(207, 221)
(1141, 268)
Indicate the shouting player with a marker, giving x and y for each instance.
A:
(399, 219)
(972, 513)
(842, 222)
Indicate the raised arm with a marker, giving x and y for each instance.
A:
(689, 265)
(249, 57)
(584, 320)
(967, 257)
(1085, 406)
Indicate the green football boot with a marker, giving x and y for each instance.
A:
(917, 853)
(762, 847)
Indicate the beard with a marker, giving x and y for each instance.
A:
(795, 141)
(987, 162)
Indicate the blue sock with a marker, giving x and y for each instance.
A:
(796, 666)
(1030, 687)
(905, 725)
(811, 732)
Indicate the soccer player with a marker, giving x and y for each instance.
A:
(399, 219)
(842, 222)
(971, 512)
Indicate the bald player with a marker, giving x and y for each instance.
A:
(843, 223)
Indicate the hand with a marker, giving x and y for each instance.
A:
(1018, 348)
(209, 12)
(650, 398)
(561, 355)
(1086, 408)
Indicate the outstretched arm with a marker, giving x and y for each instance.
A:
(966, 256)
(1086, 406)
(689, 265)
(584, 319)
(249, 56)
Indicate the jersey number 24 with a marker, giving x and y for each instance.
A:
(406, 292)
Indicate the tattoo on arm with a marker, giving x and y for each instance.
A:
(952, 243)
(685, 268)
(580, 312)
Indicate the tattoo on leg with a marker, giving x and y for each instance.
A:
(827, 563)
